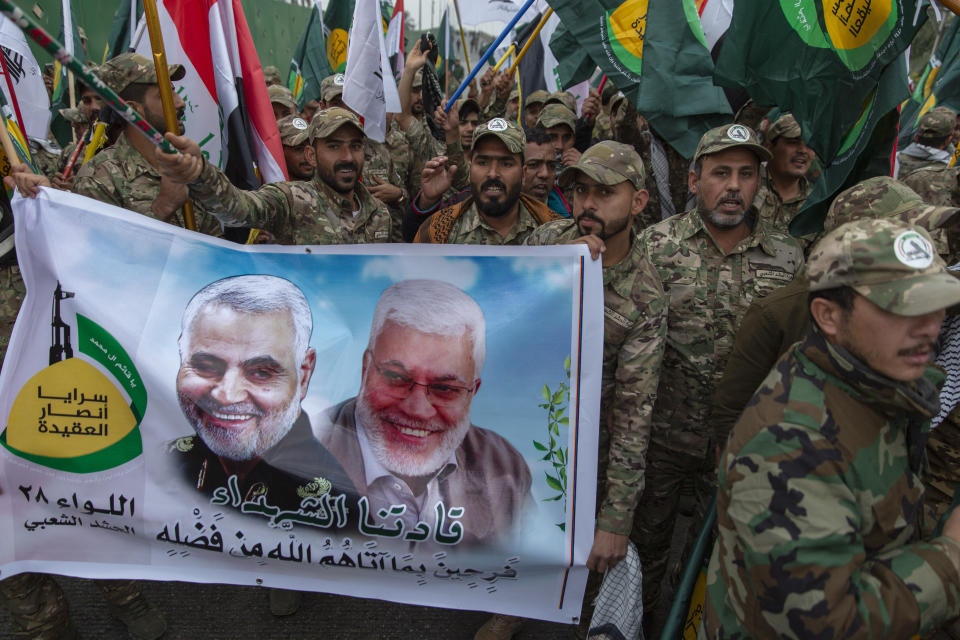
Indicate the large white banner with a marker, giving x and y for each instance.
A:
(411, 423)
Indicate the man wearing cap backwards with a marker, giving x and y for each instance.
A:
(608, 192)
(333, 208)
(495, 211)
(713, 261)
(820, 505)
(784, 186)
(931, 146)
(293, 136)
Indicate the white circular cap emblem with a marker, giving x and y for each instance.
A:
(299, 123)
(497, 124)
(913, 250)
(338, 79)
(738, 132)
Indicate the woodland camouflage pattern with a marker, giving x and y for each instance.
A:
(296, 212)
(634, 332)
(820, 508)
(873, 256)
(120, 176)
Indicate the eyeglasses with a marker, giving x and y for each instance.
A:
(400, 385)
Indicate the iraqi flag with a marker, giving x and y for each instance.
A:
(228, 109)
(395, 39)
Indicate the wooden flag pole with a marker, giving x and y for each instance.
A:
(533, 36)
(953, 5)
(463, 39)
(166, 89)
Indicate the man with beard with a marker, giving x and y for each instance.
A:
(784, 186)
(713, 261)
(295, 140)
(126, 174)
(494, 211)
(406, 438)
(245, 366)
(540, 172)
(333, 208)
(822, 530)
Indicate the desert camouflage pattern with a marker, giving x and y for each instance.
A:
(910, 164)
(296, 212)
(506, 131)
(294, 131)
(327, 121)
(786, 125)
(271, 75)
(602, 126)
(937, 123)
(820, 508)
(536, 97)
(281, 95)
(379, 168)
(556, 114)
(634, 332)
(120, 176)
(709, 293)
(935, 183)
(562, 97)
(730, 136)
(875, 197)
(331, 87)
(47, 162)
(889, 262)
(399, 150)
(608, 163)
(776, 211)
(423, 146)
(130, 68)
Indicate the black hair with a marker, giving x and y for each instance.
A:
(937, 142)
(841, 296)
(537, 135)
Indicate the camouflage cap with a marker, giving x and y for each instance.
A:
(556, 114)
(282, 95)
(727, 137)
(514, 95)
(937, 123)
(537, 97)
(786, 126)
(271, 75)
(132, 68)
(326, 121)
(74, 115)
(507, 132)
(463, 102)
(892, 264)
(331, 87)
(564, 98)
(294, 130)
(609, 163)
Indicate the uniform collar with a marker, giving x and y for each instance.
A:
(691, 223)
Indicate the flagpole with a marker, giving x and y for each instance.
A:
(500, 62)
(51, 46)
(533, 36)
(463, 39)
(486, 56)
(166, 89)
(953, 5)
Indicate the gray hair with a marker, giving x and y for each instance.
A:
(432, 306)
(253, 294)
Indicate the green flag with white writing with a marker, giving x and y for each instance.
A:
(309, 65)
(655, 52)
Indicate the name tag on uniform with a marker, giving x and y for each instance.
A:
(617, 318)
(776, 275)
(380, 235)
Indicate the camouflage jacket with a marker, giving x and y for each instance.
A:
(820, 508)
(936, 184)
(634, 332)
(44, 158)
(295, 212)
(423, 146)
(917, 156)
(379, 161)
(12, 292)
(469, 227)
(775, 211)
(121, 176)
(709, 293)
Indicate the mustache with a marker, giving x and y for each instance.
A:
(346, 165)
(493, 182)
(209, 405)
(926, 347)
(801, 156)
(734, 198)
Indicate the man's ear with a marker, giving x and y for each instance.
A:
(306, 371)
(693, 182)
(828, 315)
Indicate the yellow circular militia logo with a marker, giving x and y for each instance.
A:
(337, 49)
(853, 23)
(626, 28)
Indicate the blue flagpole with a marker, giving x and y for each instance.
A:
(470, 76)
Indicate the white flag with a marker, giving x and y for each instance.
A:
(368, 86)
(480, 11)
(27, 80)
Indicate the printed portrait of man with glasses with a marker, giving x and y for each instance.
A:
(406, 438)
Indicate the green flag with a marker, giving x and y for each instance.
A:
(309, 65)
(574, 65)
(939, 84)
(819, 60)
(445, 48)
(119, 40)
(656, 53)
(336, 21)
(60, 128)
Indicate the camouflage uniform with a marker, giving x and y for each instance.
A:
(776, 211)
(936, 123)
(271, 75)
(121, 176)
(298, 212)
(45, 156)
(820, 503)
(423, 146)
(936, 183)
(378, 162)
(283, 96)
(399, 150)
(709, 293)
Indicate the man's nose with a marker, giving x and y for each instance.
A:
(230, 389)
(418, 405)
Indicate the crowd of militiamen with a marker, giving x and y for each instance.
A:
(792, 377)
